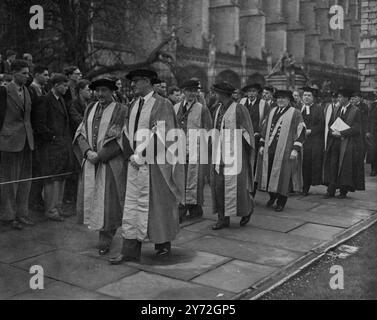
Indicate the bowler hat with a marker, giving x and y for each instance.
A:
(104, 82)
(224, 87)
(143, 73)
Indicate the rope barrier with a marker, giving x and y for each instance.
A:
(38, 178)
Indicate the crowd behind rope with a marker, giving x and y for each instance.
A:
(63, 137)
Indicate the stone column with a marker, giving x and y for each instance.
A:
(308, 19)
(195, 23)
(295, 31)
(326, 40)
(252, 28)
(276, 28)
(224, 23)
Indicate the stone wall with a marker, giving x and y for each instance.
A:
(368, 46)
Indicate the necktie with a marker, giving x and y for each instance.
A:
(306, 109)
(141, 104)
(184, 109)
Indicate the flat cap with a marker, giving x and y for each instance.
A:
(104, 82)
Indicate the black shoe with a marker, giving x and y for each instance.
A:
(104, 251)
(279, 208)
(270, 203)
(196, 213)
(16, 225)
(245, 220)
(26, 221)
(163, 252)
(220, 225)
(121, 259)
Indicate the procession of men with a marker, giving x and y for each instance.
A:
(132, 178)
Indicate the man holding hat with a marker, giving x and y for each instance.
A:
(259, 110)
(154, 185)
(313, 147)
(232, 181)
(280, 153)
(192, 117)
(99, 148)
(343, 164)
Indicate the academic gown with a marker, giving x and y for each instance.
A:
(232, 189)
(344, 163)
(196, 117)
(280, 136)
(154, 190)
(101, 187)
(313, 146)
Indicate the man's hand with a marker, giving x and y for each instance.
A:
(294, 155)
(135, 162)
(336, 134)
(261, 150)
(92, 157)
(308, 132)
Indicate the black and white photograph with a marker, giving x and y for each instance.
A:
(195, 153)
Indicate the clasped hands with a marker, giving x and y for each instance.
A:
(92, 157)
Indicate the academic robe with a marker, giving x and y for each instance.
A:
(343, 160)
(364, 114)
(101, 188)
(372, 129)
(154, 190)
(289, 132)
(233, 184)
(196, 117)
(314, 145)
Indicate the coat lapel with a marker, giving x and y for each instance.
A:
(12, 92)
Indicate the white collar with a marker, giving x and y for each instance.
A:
(147, 97)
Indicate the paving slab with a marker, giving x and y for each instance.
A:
(61, 291)
(239, 275)
(82, 271)
(246, 251)
(340, 212)
(275, 223)
(317, 231)
(14, 281)
(185, 236)
(14, 247)
(314, 217)
(182, 264)
(146, 286)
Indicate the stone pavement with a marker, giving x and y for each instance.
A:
(205, 264)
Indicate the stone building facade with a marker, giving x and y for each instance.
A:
(368, 46)
(250, 36)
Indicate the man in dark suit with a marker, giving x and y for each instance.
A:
(74, 75)
(16, 145)
(10, 57)
(37, 90)
(53, 131)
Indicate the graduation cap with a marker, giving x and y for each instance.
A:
(249, 87)
(142, 73)
(191, 84)
(346, 93)
(224, 87)
(104, 82)
(283, 94)
(314, 91)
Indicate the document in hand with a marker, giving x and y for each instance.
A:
(339, 125)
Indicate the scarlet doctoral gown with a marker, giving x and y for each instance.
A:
(197, 117)
(101, 187)
(232, 189)
(154, 190)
